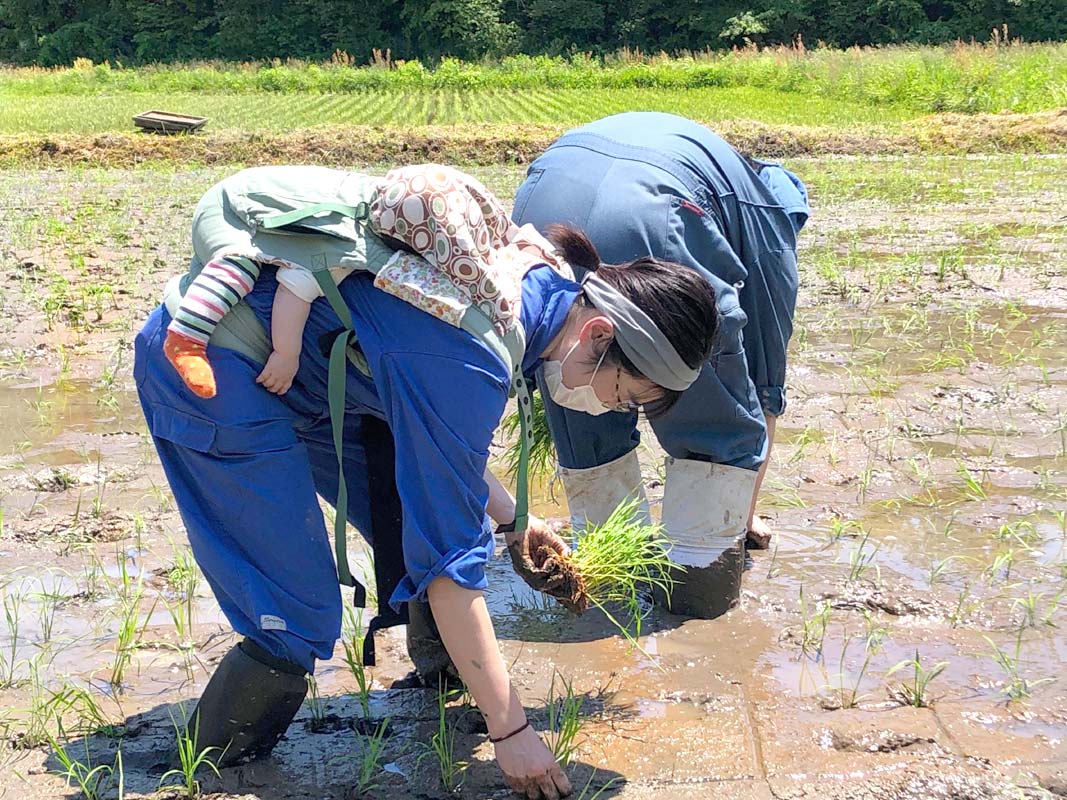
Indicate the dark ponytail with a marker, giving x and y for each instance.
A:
(573, 245)
(679, 300)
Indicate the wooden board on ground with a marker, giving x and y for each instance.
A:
(167, 122)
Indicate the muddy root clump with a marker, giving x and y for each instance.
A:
(562, 575)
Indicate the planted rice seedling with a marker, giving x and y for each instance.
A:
(842, 528)
(183, 579)
(90, 717)
(591, 791)
(91, 781)
(191, 759)
(1024, 532)
(95, 578)
(914, 692)
(860, 558)
(1029, 603)
(813, 627)
(972, 488)
(939, 568)
(130, 631)
(41, 716)
(1002, 563)
(848, 687)
(965, 605)
(442, 747)
(371, 759)
(315, 705)
(1018, 687)
(9, 657)
(352, 640)
(565, 719)
(47, 603)
(772, 568)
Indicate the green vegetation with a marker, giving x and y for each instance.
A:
(565, 719)
(962, 78)
(617, 561)
(914, 693)
(542, 450)
(69, 113)
(370, 760)
(848, 684)
(316, 705)
(190, 759)
(91, 781)
(353, 637)
(876, 88)
(442, 747)
(813, 626)
(930, 343)
(1018, 686)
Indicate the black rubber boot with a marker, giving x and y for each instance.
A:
(433, 665)
(711, 591)
(248, 704)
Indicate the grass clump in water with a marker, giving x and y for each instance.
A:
(542, 449)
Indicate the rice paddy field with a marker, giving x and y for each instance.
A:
(902, 638)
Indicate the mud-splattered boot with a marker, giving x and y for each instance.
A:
(705, 514)
(711, 591)
(248, 704)
(433, 665)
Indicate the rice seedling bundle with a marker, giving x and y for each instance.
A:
(612, 564)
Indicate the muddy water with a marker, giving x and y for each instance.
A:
(917, 490)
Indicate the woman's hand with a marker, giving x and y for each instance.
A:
(527, 551)
(529, 767)
(467, 631)
(541, 532)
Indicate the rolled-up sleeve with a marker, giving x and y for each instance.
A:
(443, 412)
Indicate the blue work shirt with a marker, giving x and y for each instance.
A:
(442, 393)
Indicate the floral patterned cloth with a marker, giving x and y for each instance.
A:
(470, 252)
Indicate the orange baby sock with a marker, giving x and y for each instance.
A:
(189, 357)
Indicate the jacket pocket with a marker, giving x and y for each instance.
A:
(183, 429)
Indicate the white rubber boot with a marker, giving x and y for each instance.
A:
(592, 494)
(705, 514)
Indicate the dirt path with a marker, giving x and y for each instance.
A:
(495, 143)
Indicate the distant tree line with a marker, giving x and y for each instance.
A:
(55, 32)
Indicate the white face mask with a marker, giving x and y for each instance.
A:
(582, 398)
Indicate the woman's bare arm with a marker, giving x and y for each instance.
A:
(467, 632)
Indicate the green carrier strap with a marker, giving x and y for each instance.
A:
(336, 386)
(280, 220)
(522, 498)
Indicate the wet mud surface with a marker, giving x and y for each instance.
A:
(903, 637)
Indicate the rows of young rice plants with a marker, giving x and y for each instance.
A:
(448, 106)
(965, 78)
